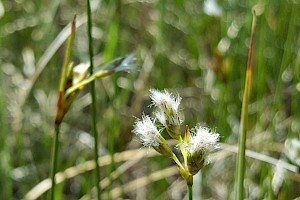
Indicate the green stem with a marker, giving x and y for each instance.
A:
(174, 157)
(190, 192)
(93, 96)
(90, 79)
(244, 119)
(183, 171)
(54, 160)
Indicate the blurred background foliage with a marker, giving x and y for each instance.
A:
(195, 48)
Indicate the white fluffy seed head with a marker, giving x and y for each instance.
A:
(168, 111)
(202, 140)
(165, 101)
(146, 130)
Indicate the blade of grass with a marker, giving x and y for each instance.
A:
(113, 33)
(137, 154)
(71, 172)
(60, 105)
(190, 192)
(49, 52)
(286, 59)
(93, 96)
(54, 160)
(110, 50)
(6, 189)
(67, 56)
(244, 118)
(117, 65)
(46, 57)
(139, 182)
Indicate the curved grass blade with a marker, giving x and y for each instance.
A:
(121, 64)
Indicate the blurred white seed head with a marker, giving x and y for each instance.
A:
(146, 130)
(292, 150)
(80, 72)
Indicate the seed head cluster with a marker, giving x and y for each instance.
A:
(196, 144)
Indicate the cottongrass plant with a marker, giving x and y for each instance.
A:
(195, 145)
(72, 81)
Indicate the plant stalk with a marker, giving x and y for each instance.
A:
(244, 119)
(190, 192)
(93, 96)
(54, 160)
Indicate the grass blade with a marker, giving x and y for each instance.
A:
(54, 160)
(93, 96)
(60, 106)
(244, 118)
(5, 164)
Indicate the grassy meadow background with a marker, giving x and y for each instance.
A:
(195, 48)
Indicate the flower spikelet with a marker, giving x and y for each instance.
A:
(202, 141)
(150, 136)
(168, 111)
(147, 132)
(166, 101)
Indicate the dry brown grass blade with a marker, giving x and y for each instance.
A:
(143, 181)
(135, 155)
(71, 172)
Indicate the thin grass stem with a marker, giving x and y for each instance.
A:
(190, 192)
(174, 157)
(5, 166)
(54, 160)
(244, 119)
(286, 60)
(93, 96)
(60, 105)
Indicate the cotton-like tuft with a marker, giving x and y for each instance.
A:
(146, 130)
